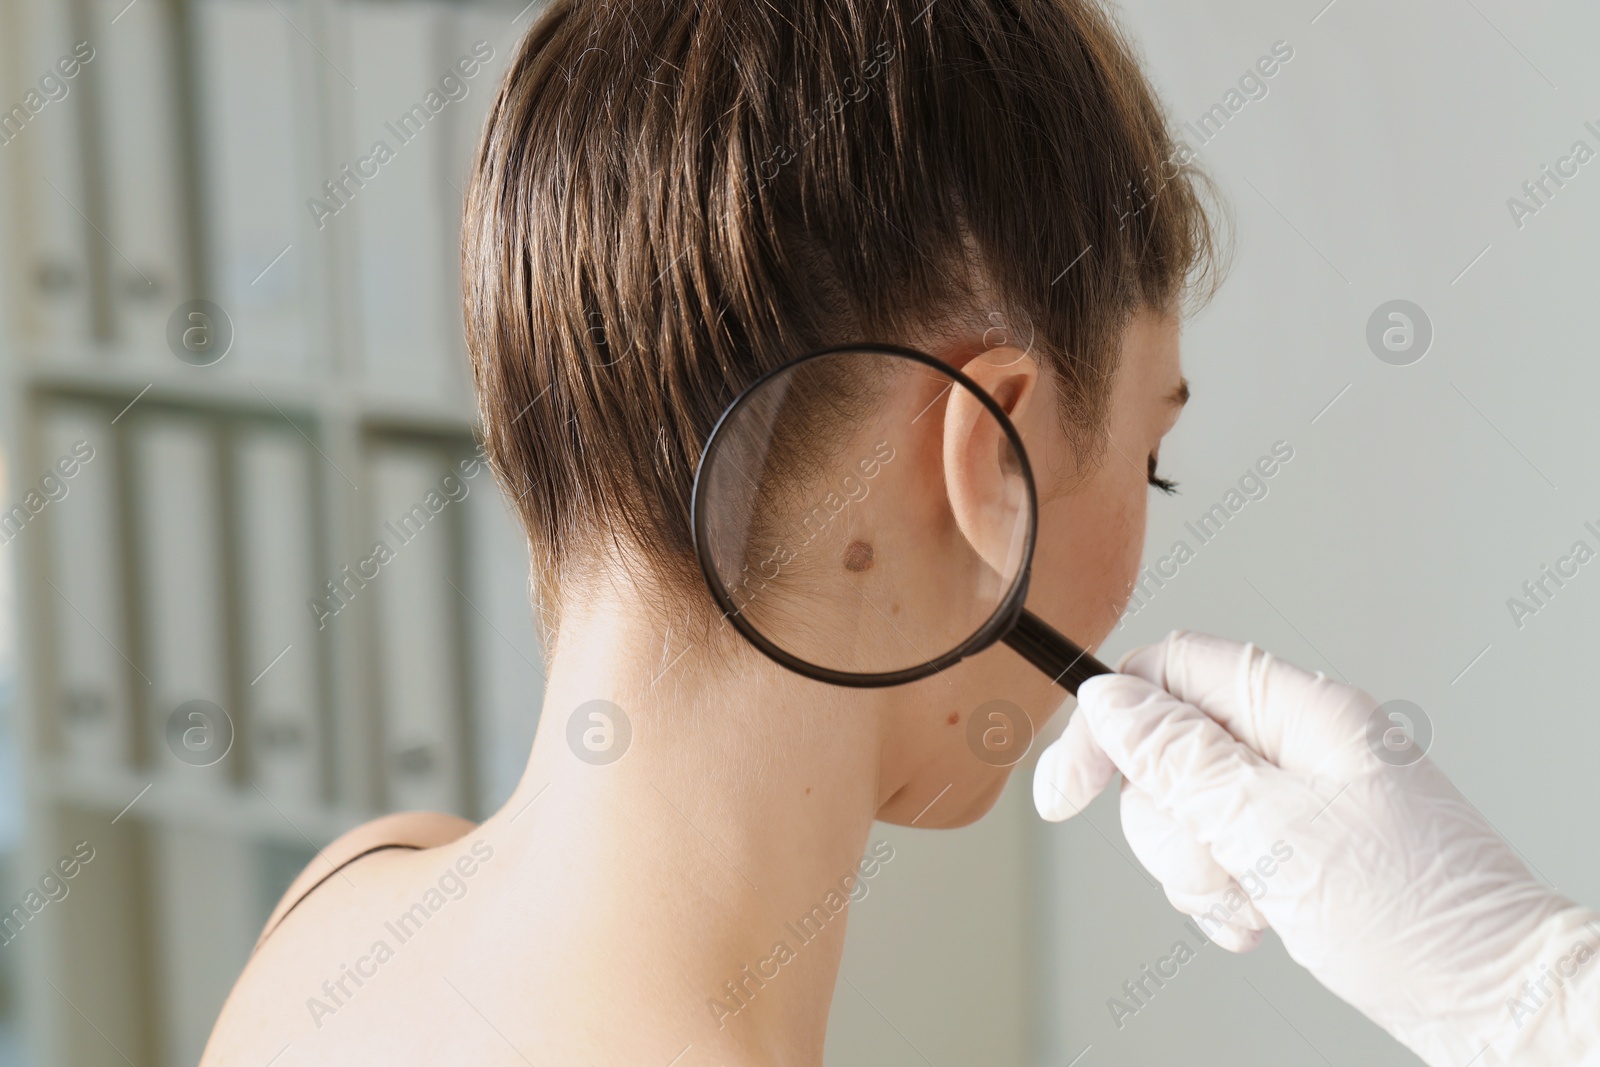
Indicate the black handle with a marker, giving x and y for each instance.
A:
(1043, 646)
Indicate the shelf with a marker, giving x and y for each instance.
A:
(242, 810)
(188, 552)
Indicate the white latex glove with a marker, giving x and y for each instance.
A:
(1252, 794)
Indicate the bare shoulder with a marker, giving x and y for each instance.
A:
(315, 932)
(408, 830)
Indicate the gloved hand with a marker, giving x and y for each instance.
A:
(1253, 795)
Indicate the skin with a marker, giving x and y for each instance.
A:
(620, 899)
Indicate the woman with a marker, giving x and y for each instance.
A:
(670, 199)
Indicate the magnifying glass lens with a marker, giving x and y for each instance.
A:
(865, 514)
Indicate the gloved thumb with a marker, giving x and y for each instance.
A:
(1071, 772)
(1180, 756)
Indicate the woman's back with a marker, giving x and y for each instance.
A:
(571, 927)
(355, 963)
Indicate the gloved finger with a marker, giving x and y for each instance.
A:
(1194, 881)
(1298, 720)
(1070, 773)
(1234, 939)
(1188, 764)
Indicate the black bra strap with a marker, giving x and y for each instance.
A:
(318, 883)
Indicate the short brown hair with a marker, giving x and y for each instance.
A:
(672, 197)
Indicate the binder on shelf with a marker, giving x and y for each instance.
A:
(392, 192)
(279, 648)
(258, 237)
(141, 111)
(414, 620)
(82, 528)
(505, 652)
(182, 611)
(44, 131)
(102, 953)
(481, 36)
(477, 30)
(206, 921)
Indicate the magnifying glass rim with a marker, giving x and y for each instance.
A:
(998, 625)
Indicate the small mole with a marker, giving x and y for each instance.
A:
(858, 557)
(808, 790)
(955, 717)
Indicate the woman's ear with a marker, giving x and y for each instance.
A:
(982, 474)
(1009, 375)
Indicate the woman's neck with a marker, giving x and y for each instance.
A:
(698, 882)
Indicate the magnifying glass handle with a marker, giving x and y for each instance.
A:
(1044, 647)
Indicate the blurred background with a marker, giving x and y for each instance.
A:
(231, 362)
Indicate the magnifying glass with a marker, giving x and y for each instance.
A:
(865, 515)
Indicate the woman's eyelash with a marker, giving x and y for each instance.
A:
(1166, 485)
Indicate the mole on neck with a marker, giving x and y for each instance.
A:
(858, 556)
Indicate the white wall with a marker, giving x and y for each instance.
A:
(1377, 167)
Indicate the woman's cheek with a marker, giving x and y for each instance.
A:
(1090, 545)
(1133, 549)
(1123, 554)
